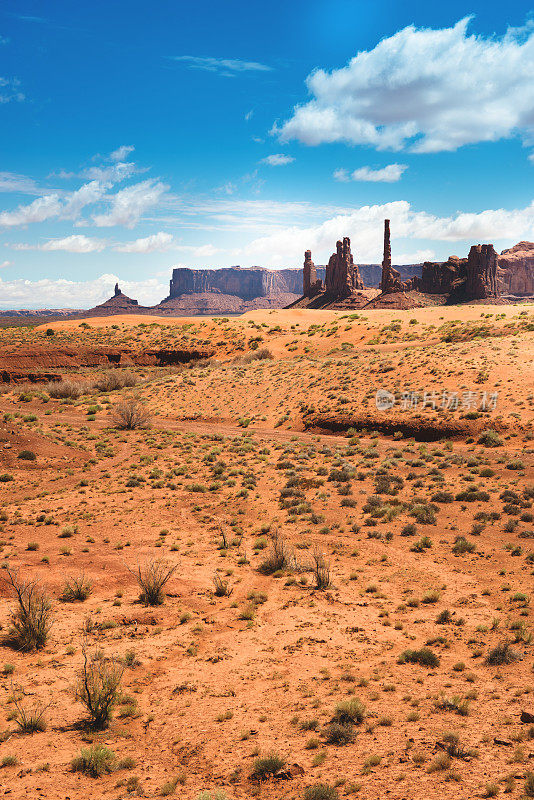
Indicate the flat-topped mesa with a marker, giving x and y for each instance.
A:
(311, 284)
(391, 279)
(342, 274)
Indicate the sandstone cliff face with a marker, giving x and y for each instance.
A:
(516, 269)
(246, 284)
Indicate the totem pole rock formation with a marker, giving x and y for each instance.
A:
(342, 274)
(391, 279)
(311, 284)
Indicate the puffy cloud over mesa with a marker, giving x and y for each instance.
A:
(157, 241)
(365, 227)
(428, 90)
(389, 174)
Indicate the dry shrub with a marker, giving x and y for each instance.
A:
(113, 380)
(98, 686)
(261, 354)
(65, 389)
(131, 414)
(277, 556)
(321, 570)
(31, 619)
(94, 761)
(78, 588)
(152, 577)
(29, 720)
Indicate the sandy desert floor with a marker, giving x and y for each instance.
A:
(407, 674)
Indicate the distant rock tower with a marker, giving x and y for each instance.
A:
(117, 290)
(391, 279)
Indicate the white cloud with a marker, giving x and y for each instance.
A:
(122, 152)
(114, 173)
(86, 195)
(11, 182)
(5, 264)
(389, 174)
(228, 67)
(157, 241)
(415, 258)
(77, 294)
(429, 90)
(74, 244)
(71, 244)
(128, 205)
(286, 245)
(9, 90)
(277, 160)
(41, 209)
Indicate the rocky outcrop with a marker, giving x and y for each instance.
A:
(310, 283)
(342, 274)
(438, 277)
(516, 269)
(247, 284)
(119, 303)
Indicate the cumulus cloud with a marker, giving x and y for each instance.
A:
(128, 205)
(277, 160)
(157, 241)
(122, 152)
(113, 173)
(389, 174)
(365, 227)
(76, 294)
(228, 67)
(422, 89)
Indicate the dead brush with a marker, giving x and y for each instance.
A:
(222, 588)
(98, 686)
(114, 379)
(277, 557)
(152, 578)
(321, 570)
(131, 414)
(31, 619)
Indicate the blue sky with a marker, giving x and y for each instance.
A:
(135, 137)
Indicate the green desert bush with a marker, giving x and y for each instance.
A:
(95, 761)
(98, 687)
(424, 656)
